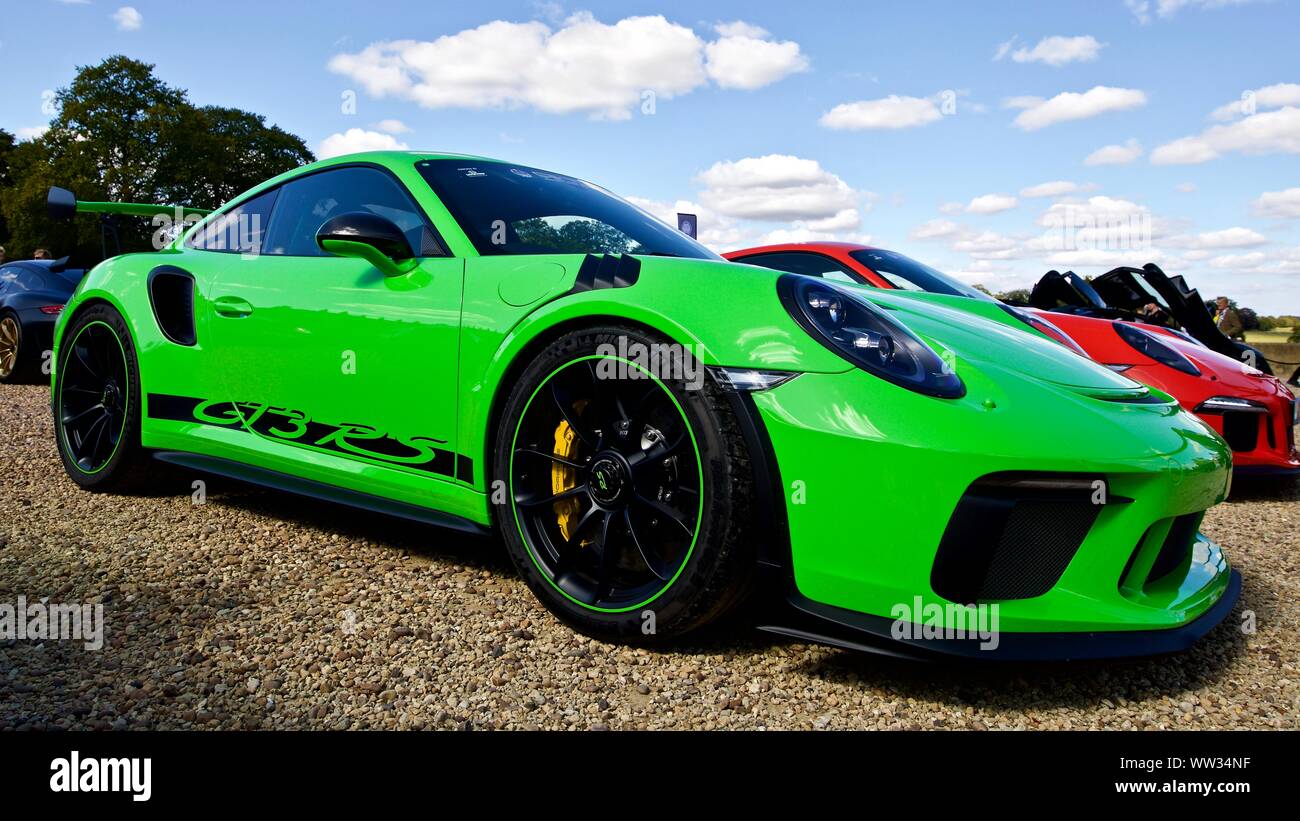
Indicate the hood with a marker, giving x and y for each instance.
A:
(982, 333)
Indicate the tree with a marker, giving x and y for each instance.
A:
(123, 134)
(6, 148)
(1249, 319)
(1019, 296)
(577, 236)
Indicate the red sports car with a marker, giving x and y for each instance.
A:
(1254, 412)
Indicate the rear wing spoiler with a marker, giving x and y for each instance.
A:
(62, 204)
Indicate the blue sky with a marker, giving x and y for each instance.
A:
(930, 128)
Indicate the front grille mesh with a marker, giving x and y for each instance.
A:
(1037, 544)
(1013, 535)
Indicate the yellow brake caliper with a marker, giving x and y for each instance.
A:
(565, 478)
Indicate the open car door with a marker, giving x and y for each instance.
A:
(1070, 293)
(1132, 288)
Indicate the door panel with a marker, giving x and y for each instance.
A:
(324, 356)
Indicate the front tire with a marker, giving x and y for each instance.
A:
(626, 492)
(96, 403)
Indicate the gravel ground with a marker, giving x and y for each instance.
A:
(261, 610)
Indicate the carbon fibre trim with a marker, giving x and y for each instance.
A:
(606, 271)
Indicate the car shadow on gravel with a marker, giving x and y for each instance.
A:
(1265, 489)
(427, 541)
(1012, 686)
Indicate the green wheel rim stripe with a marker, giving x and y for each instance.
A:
(699, 468)
(126, 410)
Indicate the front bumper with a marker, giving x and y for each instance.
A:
(1262, 439)
(873, 475)
(807, 620)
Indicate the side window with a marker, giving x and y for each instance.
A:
(7, 276)
(306, 203)
(240, 230)
(806, 263)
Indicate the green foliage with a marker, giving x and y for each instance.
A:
(123, 134)
(577, 236)
(6, 148)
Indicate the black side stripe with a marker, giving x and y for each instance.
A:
(316, 435)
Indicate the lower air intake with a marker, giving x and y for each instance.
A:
(1013, 535)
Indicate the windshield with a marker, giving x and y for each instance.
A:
(513, 209)
(908, 274)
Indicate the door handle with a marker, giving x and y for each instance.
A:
(232, 306)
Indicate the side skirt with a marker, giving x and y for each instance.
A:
(319, 490)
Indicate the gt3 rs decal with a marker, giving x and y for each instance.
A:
(297, 427)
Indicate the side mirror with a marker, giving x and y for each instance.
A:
(370, 237)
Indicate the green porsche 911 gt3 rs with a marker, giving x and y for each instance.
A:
(658, 435)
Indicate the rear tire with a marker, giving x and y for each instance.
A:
(96, 402)
(649, 537)
(17, 364)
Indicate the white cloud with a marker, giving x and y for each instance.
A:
(1069, 106)
(804, 233)
(1274, 96)
(1185, 187)
(1278, 204)
(1142, 9)
(1254, 259)
(1057, 188)
(1269, 132)
(935, 229)
(1023, 101)
(892, 112)
(739, 28)
(391, 127)
(357, 139)
(777, 187)
(128, 19)
(1115, 154)
(583, 65)
(1004, 48)
(986, 245)
(1055, 51)
(744, 58)
(952, 208)
(991, 204)
(1100, 223)
(1236, 237)
(31, 132)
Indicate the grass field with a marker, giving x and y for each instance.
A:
(1275, 335)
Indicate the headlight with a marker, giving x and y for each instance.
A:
(1044, 327)
(1229, 404)
(866, 336)
(1147, 345)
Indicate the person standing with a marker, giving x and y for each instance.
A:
(2, 255)
(1227, 320)
(41, 253)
